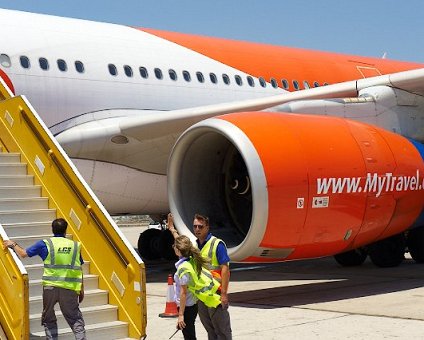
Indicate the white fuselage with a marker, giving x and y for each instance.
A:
(66, 98)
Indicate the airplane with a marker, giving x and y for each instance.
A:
(292, 153)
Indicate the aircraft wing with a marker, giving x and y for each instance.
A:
(143, 141)
(149, 126)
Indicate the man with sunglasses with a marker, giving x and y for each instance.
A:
(215, 320)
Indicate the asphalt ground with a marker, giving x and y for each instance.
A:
(308, 299)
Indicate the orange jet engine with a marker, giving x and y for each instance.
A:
(280, 186)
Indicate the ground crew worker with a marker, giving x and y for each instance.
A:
(215, 320)
(62, 278)
(193, 282)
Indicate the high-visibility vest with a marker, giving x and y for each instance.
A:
(209, 251)
(204, 286)
(62, 266)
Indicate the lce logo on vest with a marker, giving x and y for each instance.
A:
(64, 250)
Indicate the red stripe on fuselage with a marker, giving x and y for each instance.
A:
(279, 62)
(7, 80)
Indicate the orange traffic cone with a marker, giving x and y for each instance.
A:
(171, 310)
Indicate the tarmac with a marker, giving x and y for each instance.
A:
(307, 299)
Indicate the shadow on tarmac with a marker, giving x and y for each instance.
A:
(306, 282)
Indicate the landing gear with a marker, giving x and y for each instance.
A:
(351, 258)
(148, 244)
(388, 252)
(415, 243)
(154, 244)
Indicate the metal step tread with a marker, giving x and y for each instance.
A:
(86, 292)
(84, 310)
(88, 328)
(14, 199)
(26, 186)
(26, 224)
(26, 211)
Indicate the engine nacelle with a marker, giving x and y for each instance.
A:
(282, 186)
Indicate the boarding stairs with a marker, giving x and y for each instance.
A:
(38, 184)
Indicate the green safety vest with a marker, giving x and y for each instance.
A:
(209, 251)
(62, 266)
(204, 287)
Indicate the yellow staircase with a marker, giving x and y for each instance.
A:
(38, 183)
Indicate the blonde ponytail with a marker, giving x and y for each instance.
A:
(187, 249)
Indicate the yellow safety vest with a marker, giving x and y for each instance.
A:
(62, 266)
(209, 251)
(204, 286)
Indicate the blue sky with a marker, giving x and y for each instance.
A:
(362, 27)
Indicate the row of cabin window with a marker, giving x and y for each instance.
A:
(212, 76)
(79, 67)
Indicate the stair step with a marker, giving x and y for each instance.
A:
(91, 315)
(100, 331)
(16, 230)
(13, 169)
(16, 180)
(27, 191)
(27, 216)
(91, 282)
(10, 157)
(33, 203)
(91, 298)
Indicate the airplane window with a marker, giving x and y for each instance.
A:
(200, 77)
(172, 74)
(44, 64)
(186, 76)
(250, 81)
(61, 65)
(213, 78)
(306, 84)
(24, 61)
(285, 84)
(143, 72)
(112, 70)
(79, 66)
(5, 60)
(316, 84)
(128, 71)
(238, 79)
(325, 84)
(158, 73)
(226, 79)
(262, 82)
(296, 85)
(274, 83)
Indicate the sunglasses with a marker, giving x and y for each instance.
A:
(198, 226)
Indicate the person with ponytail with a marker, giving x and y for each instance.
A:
(194, 276)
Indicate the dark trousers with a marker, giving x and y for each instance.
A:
(69, 305)
(216, 321)
(190, 313)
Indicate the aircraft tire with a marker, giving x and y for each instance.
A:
(351, 258)
(166, 241)
(148, 244)
(415, 243)
(388, 252)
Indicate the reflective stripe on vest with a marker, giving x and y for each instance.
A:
(62, 268)
(204, 287)
(209, 250)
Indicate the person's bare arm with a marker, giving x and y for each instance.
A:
(183, 299)
(171, 226)
(225, 280)
(16, 247)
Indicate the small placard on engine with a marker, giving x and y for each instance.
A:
(320, 202)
